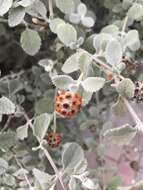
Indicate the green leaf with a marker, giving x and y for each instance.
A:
(67, 34)
(113, 52)
(7, 140)
(41, 124)
(66, 6)
(5, 5)
(93, 84)
(72, 156)
(62, 81)
(119, 107)
(121, 135)
(132, 40)
(54, 24)
(126, 88)
(30, 41)
(71, 64)
(16, 16)
(22, 132)
(6, 106)
(136, 12)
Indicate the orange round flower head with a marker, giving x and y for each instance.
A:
(54, 139)
(68, 103)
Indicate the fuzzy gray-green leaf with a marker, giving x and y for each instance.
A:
(67, 34)
(30, 41)
(121, 135)
(41, 124)
(93, 84)
(126, 88)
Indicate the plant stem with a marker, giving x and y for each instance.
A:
(48, 156)
(51, 9)
(25, 176)
(132, 112)
(53, 166)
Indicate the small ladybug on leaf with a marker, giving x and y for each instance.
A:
(68, 103)
(139, 91)
(54, 139)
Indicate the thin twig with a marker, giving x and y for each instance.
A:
(51, 9)
(53, 166)
(29, 121)
(25, 176)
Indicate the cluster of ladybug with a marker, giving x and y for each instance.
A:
(67, 105)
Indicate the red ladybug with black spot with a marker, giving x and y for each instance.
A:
(54, 139)
(68, 103)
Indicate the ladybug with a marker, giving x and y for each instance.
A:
(68, 103)
(54, 139)
(139, 91)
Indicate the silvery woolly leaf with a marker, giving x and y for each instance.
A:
(100, 41)
(5, 5)
(88, 21)
(126, 4)
(16, 16)
(43, 178)
(71, 64)
(37, 9)
(22, 132)
(3, 166)
(121, 135)
(74, 18)
(7, 140)
(126, 88)
(93, 84)
(67, 34)
(54, 23)
(62, 81)
(90, 184)
(136, 186)
(48, 64)
(136, 12)
(9, 180)
(84, 62)
(66, 7)
(132, 40)
(72, 184)
(110, 29)
(81, 9)
(119, 107)
(30, 41)
(6, 106)
(41, 124)
(113, 52)
(25, 3)
(72, 155)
